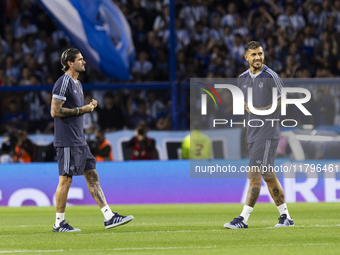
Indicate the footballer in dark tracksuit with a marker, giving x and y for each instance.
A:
(73, 153)
(262, 139)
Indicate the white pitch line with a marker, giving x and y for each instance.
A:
(24, 226)
(132, 232)
(161, 248)
(311, 226)
(167, 231)
(113, 249)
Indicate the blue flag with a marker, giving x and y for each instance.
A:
(99, 30)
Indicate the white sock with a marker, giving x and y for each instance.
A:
(107, 212)
(284, 210)
(246, 212)
(59, 218)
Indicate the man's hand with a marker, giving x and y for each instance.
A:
(89, 107)
(94, 102)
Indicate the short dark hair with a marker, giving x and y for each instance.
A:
(68, 55)
(252, 45)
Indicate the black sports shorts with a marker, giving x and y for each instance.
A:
(75, 160)
(261, 158)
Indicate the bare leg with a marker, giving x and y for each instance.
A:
(62, 191)
(92, 180)
(276, 190)
(253, 191)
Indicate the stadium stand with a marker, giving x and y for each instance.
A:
(300, 38)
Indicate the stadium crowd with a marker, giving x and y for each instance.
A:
(300, 39)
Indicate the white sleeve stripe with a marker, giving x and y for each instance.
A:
(64, 85)
(61, 93)
(59, 97)
(276, 79)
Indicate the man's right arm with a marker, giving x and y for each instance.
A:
(58, 111)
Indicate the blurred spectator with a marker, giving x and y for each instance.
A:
(137, 10)
(331, 25)
(25, 150)
(103, 148)
(90, 119)
(182, 36)
(111, 117)
(181, 66)
(140, 34)
(228, 37)
(202, 59)
(310, 41)
(201, 33)
(8, 42)
(18, 54)
(142, 67)
(240, 28)
(229, 18)
(14, 118)
(291, 20)
(143, 147)
(216, 31)
(192, 14)
(25, 77)
(32, 66)
(47, 122)
(316, 17)
(153, 105)
(38, 111)
(11, 70)
(327, 53)
(237, 52)
(162, 66)
(272, 61)
(291, 67)
(8, 148)
(141, 115)
(161, 23)
(25, 28)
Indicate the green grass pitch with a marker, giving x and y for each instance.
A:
(173, 229)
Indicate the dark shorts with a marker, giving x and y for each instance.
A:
(75, 160)
(261, 158)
